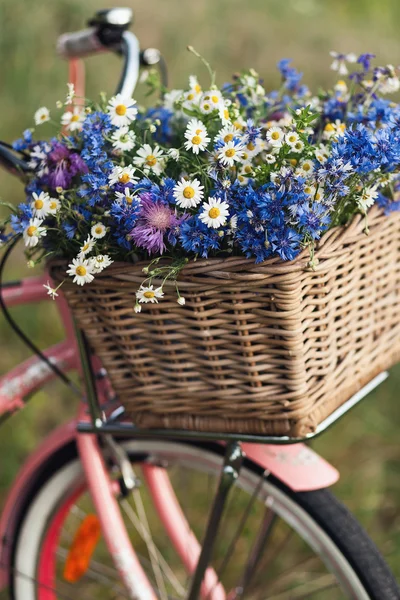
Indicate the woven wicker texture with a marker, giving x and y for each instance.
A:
(272, 348)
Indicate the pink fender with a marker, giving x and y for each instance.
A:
(296, 465)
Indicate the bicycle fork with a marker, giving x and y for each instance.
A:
(230, 471)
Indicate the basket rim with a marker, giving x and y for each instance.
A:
(328, 250)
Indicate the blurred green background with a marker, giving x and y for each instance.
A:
(232, 34)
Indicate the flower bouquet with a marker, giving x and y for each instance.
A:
(250, 215)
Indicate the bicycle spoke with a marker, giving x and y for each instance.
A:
(257, 550)
(324, 583)
(286, 575)
(143, 530)
(236, 536)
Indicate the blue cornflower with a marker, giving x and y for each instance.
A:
(123, 218)
(18, 223)
(313, 219)
(387, 148)
(196, 237)
(24, 142)
(251, 133)
(387, 204)
(365, 60)
(96, 126)
(70, 229)
(253, 243)
(291, 76)
(285, 242)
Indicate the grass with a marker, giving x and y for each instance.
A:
(232, 35)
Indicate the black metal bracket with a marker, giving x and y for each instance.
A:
(230, 471)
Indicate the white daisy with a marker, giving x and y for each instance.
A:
(270, 159)
(275, 136)
(148, 294)
(173, 153)
(196, 137)
(242, 179)
(40, 204)
(213, 97)
(81, 270)
(390, 85)
(333, 130)
(181, 301)
(42, 115)
(87, 246)
(246, 169)
(122, 110)
(206, 107)
(171, 98)
(126, 196)
(50, 290)
(73, 120)
(229, 153)
(239, 123)
(194, 84)
(54, 205)
(306, 168)
(291, 138)
(71, 93)
(254, 148)
(309, 189)
(215, 212)
(188, 193)
(227, 133)
(122, 175)
(233, 223)
(190, 99)
(195, 127)
(367, 198)
(319, 194)
(100, 262)
(150, 159)
(123, 139)
(341, 87)
(33, 232)
(321, 154)
(298, 146)
(339, 61)
(223, 113)
(98, 231)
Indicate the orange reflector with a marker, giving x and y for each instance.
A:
(82, 548)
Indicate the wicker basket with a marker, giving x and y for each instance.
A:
(270, 348)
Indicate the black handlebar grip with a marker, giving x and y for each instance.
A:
(79, 44)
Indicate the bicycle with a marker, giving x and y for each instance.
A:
(260, 511)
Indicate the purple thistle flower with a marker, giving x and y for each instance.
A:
(156, 224)
(63, 166)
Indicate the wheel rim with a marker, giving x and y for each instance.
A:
(276, 578)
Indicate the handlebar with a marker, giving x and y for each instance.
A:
(107, 32)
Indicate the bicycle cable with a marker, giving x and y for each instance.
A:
(64, 378)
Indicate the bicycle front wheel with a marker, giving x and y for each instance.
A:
(273, 543)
